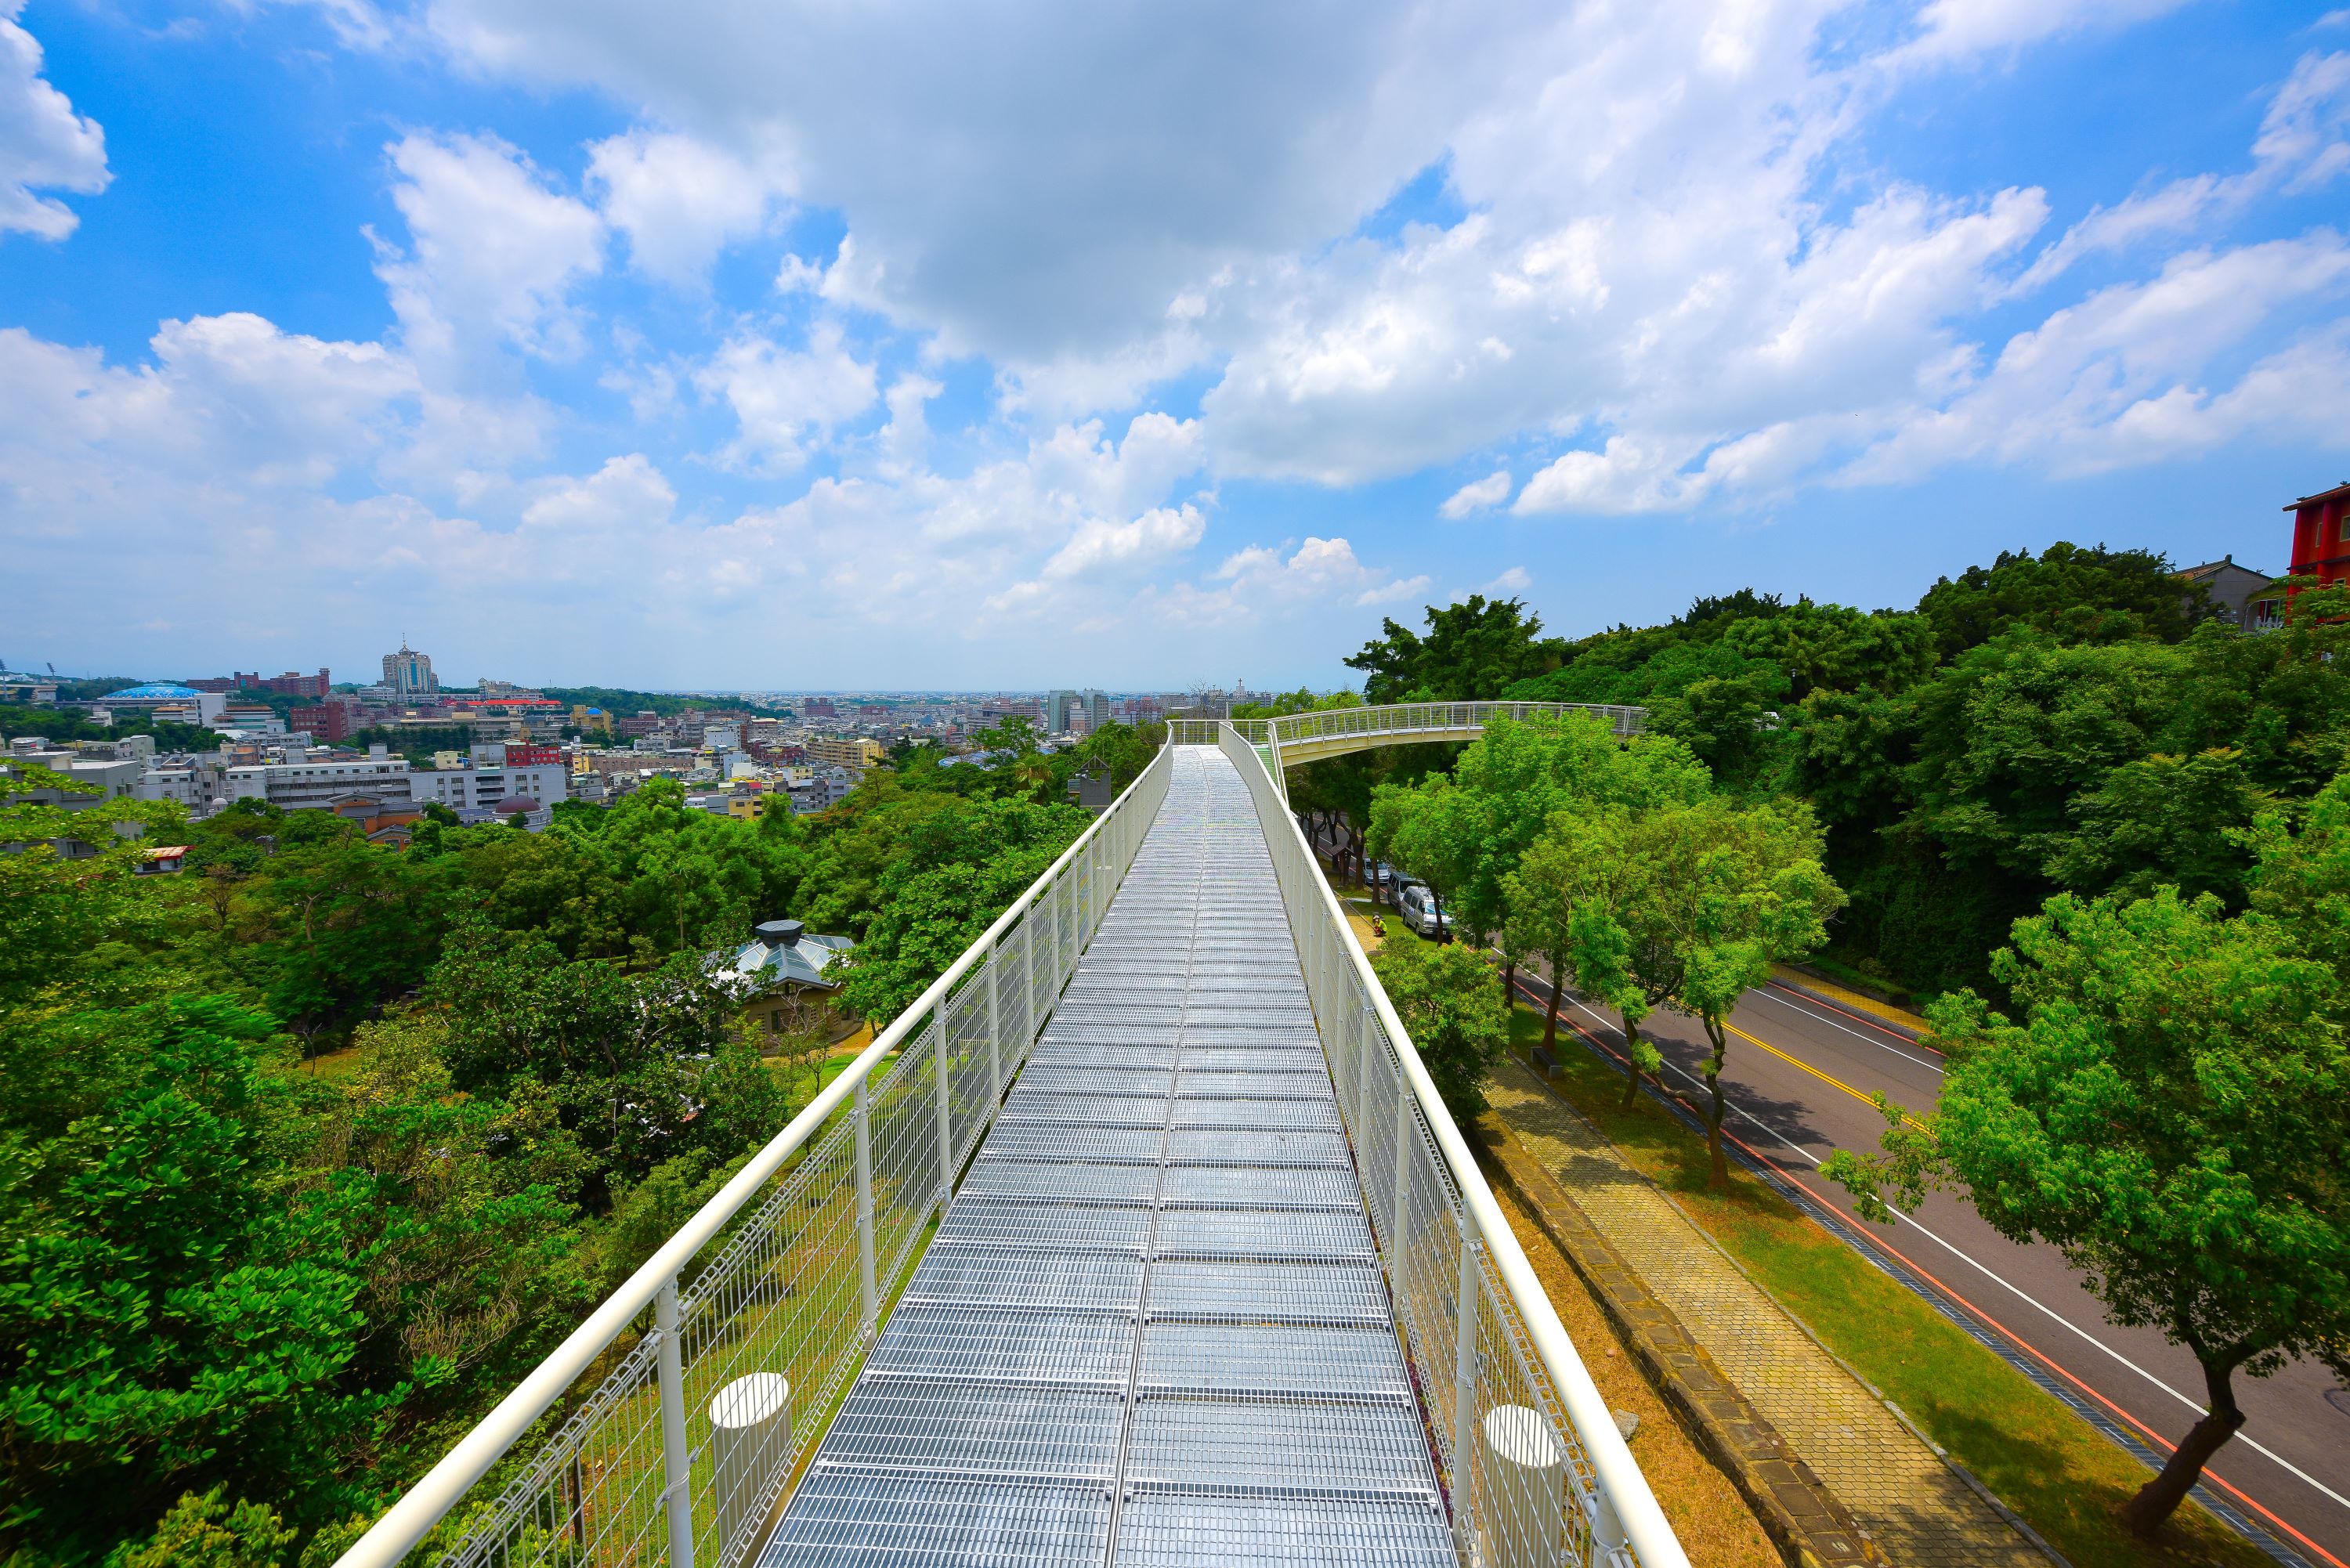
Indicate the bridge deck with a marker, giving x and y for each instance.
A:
(1151, 1330)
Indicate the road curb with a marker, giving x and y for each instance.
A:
(1810, 1528)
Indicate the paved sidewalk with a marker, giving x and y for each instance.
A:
(1915, 1507)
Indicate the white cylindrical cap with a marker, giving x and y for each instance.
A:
(1526, 1473)
(750, 1445)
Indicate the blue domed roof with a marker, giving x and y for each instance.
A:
(151, 690)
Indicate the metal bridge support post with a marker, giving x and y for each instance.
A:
(866, 1264)
(1464, 1377)
(1403, 1141)
(946, 1124)
(994, 1028)
(677, 1459)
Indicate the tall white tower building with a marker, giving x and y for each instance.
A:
(409, 673)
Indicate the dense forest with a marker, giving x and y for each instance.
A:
(2078, 720)
(308, 1151)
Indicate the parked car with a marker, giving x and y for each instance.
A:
(1418, 906)
(1383, 874)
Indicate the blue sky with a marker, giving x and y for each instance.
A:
(803, 346)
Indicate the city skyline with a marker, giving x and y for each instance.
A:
(578, 355)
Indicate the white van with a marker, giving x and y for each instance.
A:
(1418, 908)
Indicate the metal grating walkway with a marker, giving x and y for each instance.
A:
(1151, 1330)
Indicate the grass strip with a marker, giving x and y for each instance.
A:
(2058, 1473)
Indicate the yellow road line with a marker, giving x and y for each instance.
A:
(1815, 1072)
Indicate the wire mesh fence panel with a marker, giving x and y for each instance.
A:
(674, 1432)
(1519, 1484)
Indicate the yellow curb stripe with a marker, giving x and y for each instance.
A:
(1815, 1072)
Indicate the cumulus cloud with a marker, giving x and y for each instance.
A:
(1477, 495)
(681, 200)
(492, 252)
(1261, 578)
(786, 401)
(2116, 379)
(44, 144)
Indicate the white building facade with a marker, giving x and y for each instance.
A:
(491, 789)
(297, 786)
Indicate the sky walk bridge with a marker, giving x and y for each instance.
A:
(1141, 1239)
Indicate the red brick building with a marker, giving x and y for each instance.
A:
(329, 723)
(2320, 536)
(522, 756)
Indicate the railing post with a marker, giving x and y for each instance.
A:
(867, 1263)
(994, 1028)
(1464, 1377)
(1403, 1142)
(677, 1459)
(946, 1126)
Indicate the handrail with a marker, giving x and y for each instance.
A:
(1619, 1483)
(1291, 729)
(438, 1491)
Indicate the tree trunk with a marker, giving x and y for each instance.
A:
(1718, 1175)
(2159, 1498)
(1509, 984)
(1550, 1014)
(1631, 1061)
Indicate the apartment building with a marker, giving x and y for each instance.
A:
(492, 789)
(854, 752)
(297, 786)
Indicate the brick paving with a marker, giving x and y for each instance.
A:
(1912, 1504)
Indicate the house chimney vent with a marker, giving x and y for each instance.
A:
(779, 933)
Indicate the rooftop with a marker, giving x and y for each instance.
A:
(154, 691)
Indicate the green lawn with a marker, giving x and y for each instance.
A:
(2054, 1470)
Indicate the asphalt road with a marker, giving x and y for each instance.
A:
(1797, 1077)
(1798, 1083)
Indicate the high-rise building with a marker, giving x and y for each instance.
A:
(409, 673)
(1096, 709)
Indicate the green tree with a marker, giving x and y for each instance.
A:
(162, 1323)
(1724, 892)
(209, 1531)
(2170, 1115)
(1444, 995)
(2073, 593)
(953, 873)
(1472, 650)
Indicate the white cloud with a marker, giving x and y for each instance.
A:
(681, 200)
(1511, 582)
(2306, 130)
(2305, 141)
(1954, 30)
(787, 402)
(44, 144)
(1477, 495)
(1260, 580)
(492, 251)
(2114, 380)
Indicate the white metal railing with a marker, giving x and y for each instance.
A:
(1395, 722)
(765, 1303)
(1534, 1464)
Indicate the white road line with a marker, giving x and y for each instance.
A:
(2088, 1339)
(1821, 1018)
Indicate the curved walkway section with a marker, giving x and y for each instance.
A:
(1152, 1329)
